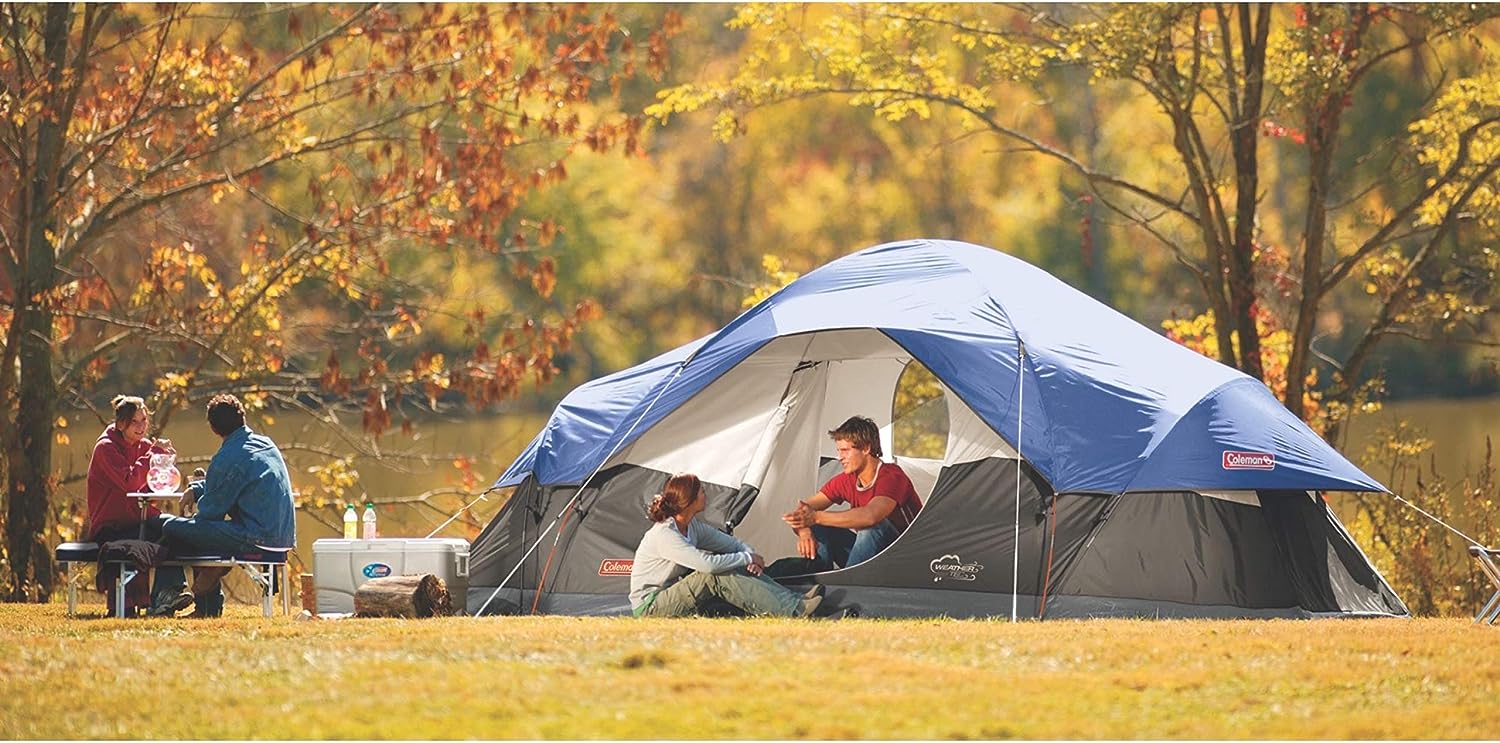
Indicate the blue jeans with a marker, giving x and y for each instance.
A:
(189, 536)
(757, 595)
(849, 547)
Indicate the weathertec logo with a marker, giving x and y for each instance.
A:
(615, 566)
(1249, 460)
(952, 567)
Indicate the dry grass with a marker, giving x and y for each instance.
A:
(556, 677)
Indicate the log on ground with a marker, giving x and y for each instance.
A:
(412, 596)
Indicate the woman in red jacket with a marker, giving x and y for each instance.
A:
(121, 459)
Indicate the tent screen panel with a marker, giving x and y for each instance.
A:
(1187, 549)
(1326, 568)
(919, 415)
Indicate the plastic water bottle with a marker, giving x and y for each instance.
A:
(351, 522)
(370, 532)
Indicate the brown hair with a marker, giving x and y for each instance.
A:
(225, 414)
(126, 406)
(680, 492)
(861, 432)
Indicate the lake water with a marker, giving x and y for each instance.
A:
(1457, 427)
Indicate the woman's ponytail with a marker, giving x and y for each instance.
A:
(680, 492)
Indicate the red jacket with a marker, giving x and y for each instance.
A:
(117, 468)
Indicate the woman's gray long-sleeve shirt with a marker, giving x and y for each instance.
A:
(666, 554)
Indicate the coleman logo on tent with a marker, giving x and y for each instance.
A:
(615, 566)
(954, 568)
(1249, 460)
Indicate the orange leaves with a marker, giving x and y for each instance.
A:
(547, 232)
(544, 279)
(167, 273)
(468, 479)
(377, 416)
(332, 379)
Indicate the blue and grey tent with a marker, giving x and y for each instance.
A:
(1085, 465)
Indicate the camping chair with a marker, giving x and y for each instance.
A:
(1486, 558)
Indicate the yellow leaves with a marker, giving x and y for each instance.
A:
(727, 126)
(172, 383)
(406, 324)
(1461, 133)
(777, 276)
(335, 479)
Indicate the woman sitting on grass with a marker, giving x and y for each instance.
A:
(682, 562)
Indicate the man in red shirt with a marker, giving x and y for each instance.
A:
(882, 502)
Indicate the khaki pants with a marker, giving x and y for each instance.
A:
(756, 595)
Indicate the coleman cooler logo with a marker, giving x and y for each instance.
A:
(376, 570)
(952, 567)
(1249, 460)
(615, 567)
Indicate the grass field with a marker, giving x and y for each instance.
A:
(554, 677)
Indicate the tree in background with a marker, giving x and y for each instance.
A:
(277, 200)
(1388, 210)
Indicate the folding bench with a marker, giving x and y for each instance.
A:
(1487, 558)
(262, 565)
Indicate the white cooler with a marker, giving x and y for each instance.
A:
(342, 565)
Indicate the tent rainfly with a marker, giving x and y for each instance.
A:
(1092, 467)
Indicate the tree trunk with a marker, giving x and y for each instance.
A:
(1320, 161)
(30, 466)
(29, 452)
(411, 596)
(1213, 242)
(1244, 139)
(1322, 141)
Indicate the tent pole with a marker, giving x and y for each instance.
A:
(579, 492)
(1015, 571)
(459, 512)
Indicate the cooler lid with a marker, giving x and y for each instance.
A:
(388, 544)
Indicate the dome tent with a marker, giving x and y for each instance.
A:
(1092, 467)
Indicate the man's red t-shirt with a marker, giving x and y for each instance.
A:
(890, 482)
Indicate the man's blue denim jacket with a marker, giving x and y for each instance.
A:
(248, 482)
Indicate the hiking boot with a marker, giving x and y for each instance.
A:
(208, 606)
(170, 605)
(816, 590)
(810, 605)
